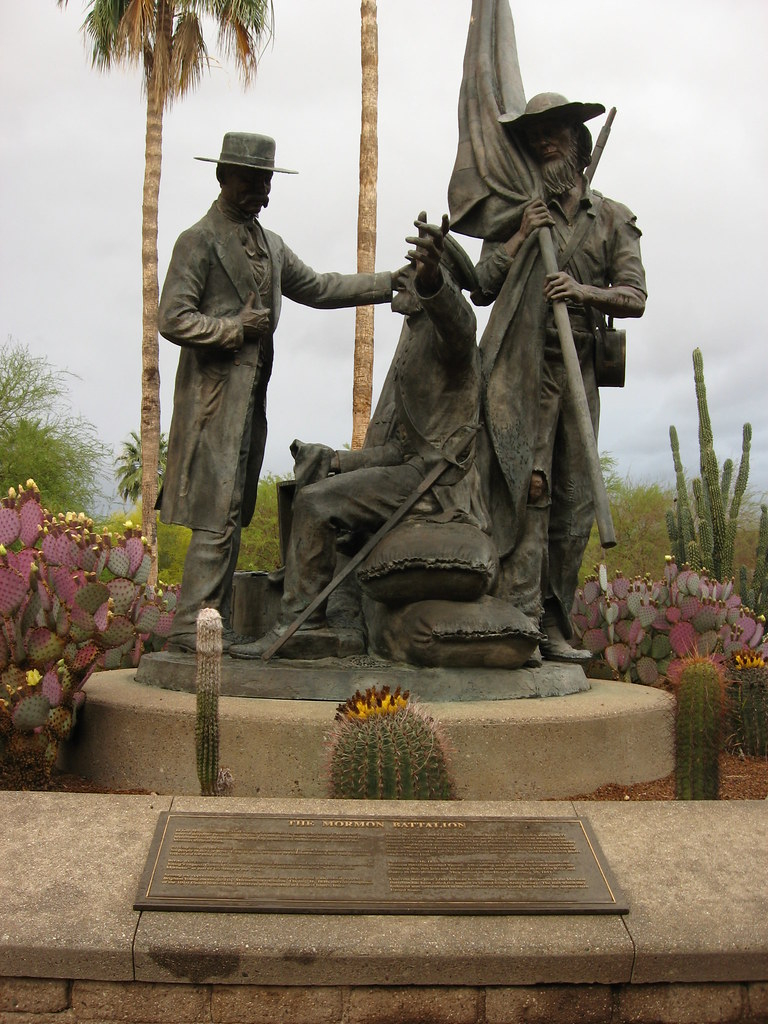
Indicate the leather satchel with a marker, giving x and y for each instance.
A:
(610, 354)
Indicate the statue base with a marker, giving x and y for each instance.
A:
(337, 679)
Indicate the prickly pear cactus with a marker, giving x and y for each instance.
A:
(641, 627)
(747, 692)
(71, 602)
(700, 686)
(383, 746)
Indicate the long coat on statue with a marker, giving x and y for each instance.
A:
(209, 281)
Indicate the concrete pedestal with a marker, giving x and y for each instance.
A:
(138, 736)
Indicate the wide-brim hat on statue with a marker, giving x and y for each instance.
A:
(244, 149)
(547, 106)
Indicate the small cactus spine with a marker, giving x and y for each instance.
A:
(209, 649)
(386, 747)
(699, 728)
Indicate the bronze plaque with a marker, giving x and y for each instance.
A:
(354, 864)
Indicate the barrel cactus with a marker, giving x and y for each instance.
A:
(748, 704)
(700, 686)
(384, 746)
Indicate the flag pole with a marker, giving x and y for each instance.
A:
(579, 398)
(573, 369)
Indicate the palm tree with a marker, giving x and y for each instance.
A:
(362, 387)
(129, 466)
(165, 37)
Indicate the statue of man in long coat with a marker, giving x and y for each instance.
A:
(221, 305)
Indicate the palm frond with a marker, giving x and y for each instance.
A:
(245, 26)
(138, 26)
(189, 57)
(160, 81)
(102, 28)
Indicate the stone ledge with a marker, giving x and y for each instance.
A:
(691, 872)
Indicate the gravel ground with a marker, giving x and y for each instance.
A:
(741, 778)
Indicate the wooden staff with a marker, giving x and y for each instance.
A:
(573, 370)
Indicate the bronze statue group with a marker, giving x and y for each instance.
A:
(466, 513)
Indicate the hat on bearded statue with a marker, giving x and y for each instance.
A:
(550, 106)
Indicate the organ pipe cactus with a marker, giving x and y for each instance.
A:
(71, 602)
(704, 536)
(214, 781)
(642, 627)
(384, 746)
(754, 589)
(700, 686)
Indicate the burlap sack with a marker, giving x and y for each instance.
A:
(420, 560)
(488, 633)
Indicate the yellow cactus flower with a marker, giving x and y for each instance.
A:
(11, 493)
(748, 659)
(373, 702)
(33, 677)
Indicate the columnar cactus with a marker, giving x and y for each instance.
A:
(208, 689)
(748, 704)
(699, 729)
(386, 747)
(709, 543)
(214, 781)
(754, 591)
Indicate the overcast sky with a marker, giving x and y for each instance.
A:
(688, 154)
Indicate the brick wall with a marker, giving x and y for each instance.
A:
(51, 1001)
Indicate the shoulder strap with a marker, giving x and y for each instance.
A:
(580, 233)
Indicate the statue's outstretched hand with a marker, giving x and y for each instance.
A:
(427, 251)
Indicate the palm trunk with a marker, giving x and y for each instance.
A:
(150, 370)
(362, 389)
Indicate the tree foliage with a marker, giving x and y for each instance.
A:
(259, 543)
(40, 436)
(638, 510)
(129, 467)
